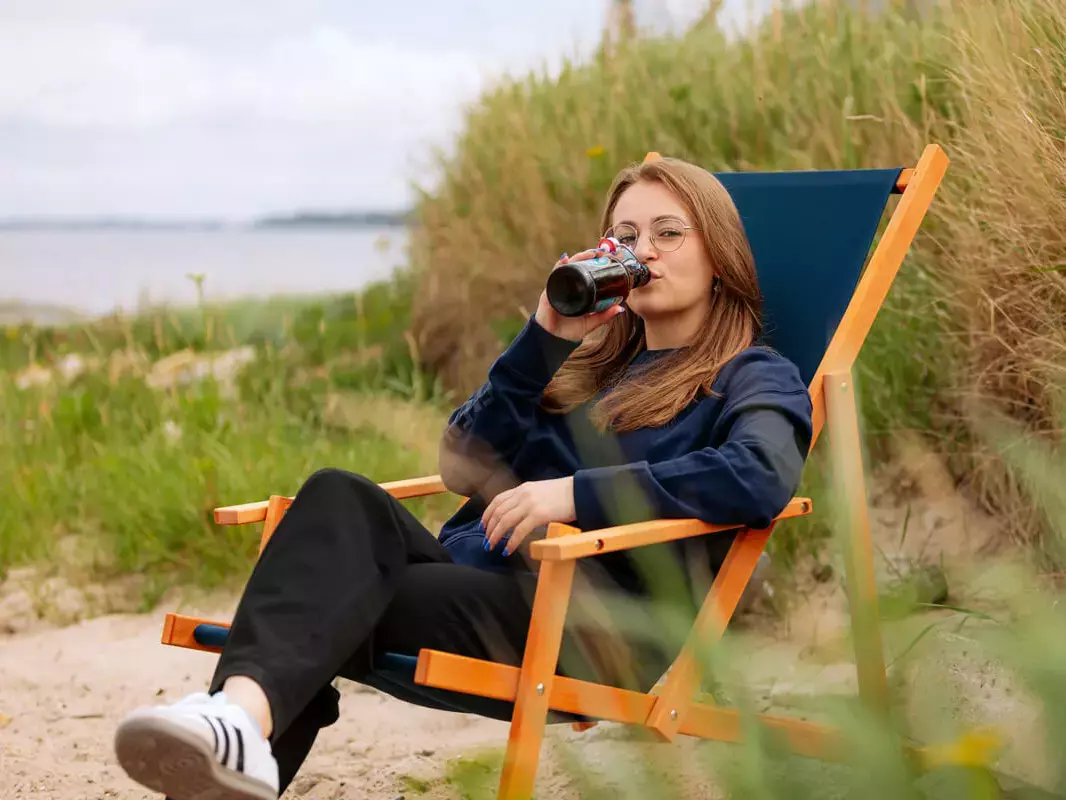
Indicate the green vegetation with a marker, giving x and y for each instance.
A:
(976, 312)
(137, 429)
(978, 308)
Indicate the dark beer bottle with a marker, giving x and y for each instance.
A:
(585, 287)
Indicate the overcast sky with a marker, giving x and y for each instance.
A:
(201, 108)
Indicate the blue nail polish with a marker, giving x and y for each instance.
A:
(564, 255)
(485, 545)
(506, 551)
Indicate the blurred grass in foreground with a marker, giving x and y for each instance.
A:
(980, 687)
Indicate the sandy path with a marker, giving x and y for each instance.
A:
(63, 690)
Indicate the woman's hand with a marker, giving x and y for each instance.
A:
(526, 507)
(573, 328)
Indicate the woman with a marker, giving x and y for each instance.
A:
(666, 408)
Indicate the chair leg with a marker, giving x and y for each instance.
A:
(842, 420)
(677, 691)
(538, 669)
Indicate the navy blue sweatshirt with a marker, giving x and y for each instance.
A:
(731, 457)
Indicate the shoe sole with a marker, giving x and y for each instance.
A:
(168, 758)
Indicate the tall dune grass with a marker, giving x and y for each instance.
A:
(977, 309)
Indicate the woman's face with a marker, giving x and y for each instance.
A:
(681, 278)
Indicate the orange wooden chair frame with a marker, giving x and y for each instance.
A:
(535, 688)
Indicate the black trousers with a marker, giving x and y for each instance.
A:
(350, 573)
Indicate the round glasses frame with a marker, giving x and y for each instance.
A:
(672, 243)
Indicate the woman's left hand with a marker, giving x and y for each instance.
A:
(526, 507)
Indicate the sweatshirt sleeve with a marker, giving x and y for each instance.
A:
(747, 480)
(488, 430)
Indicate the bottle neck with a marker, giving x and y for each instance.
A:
(638, 273)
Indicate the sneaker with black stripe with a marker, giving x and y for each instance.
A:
(200, 748)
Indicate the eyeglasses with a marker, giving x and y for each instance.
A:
(666, 234)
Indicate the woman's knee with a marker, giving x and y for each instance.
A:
(331, 480)
(334, 502)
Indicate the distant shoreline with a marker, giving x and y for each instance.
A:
(15, 313)
(311, 220)
(96, 271)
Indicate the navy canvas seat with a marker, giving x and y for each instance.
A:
(394, 674)
(810, 233)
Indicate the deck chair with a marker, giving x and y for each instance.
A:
(811, 233)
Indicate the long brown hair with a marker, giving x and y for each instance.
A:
(654, 395)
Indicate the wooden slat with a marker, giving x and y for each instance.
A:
(639, 534)
(456, 673)
(683, 680)
(402, 490)
(241, 515)
(178, 632)
(277, 505)
(904, 180)
(846, 445)
(500, 682)
(538, 667)
(803, 738)
(879, 274)
(415, 487)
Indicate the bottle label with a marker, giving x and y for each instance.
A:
(606, 303)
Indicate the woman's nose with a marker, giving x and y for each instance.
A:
(645, 249)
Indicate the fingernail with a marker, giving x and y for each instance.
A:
(485, 546)
(507, 551)
(564, 255)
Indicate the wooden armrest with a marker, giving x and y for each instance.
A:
(401, 490)
(242, 514)
(625, 537)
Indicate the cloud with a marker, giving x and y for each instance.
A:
(114, 76)
(200, 108)
(111, 118)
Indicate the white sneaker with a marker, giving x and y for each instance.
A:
(200, 748)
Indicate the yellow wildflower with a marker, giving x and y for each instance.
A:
(973, 749)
